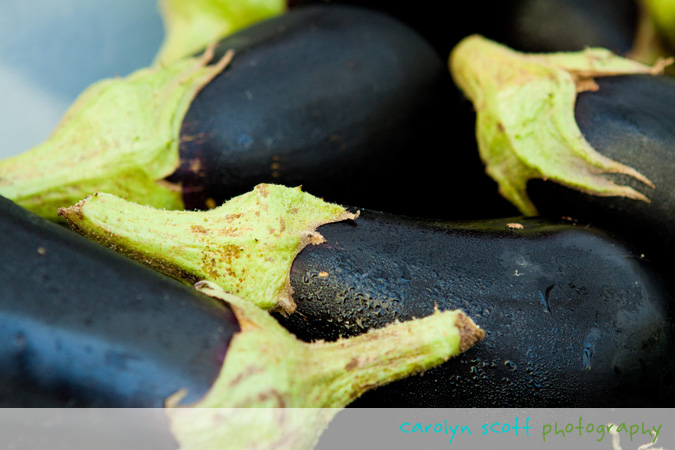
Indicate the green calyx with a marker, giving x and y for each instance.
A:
(121, 135)
(247, 245)
(190, 26)
(525, 125)
(267, 367)
(654, 38)
(662, 15)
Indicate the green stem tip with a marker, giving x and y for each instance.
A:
(267, 367)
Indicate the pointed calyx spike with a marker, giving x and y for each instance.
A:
(247, 245)
(121, 135)
(525, 124)
(267, 368)
(191, 26)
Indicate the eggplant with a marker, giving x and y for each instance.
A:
(318, 90)
(81, 325)
(629, 119)
(573, 317)
(584, 135)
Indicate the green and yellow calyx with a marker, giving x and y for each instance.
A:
(121, 135)
(190, 26)
(267, 368)
(247, 245)
(662, 15)
(525, 124)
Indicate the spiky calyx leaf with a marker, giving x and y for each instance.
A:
(267, 367)
(190, 26)
(525, 124)
(121, 135)
(247, 245)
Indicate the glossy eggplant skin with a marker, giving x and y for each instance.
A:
(347, 102)
(630, 119)
(81, 325)
(572, 317)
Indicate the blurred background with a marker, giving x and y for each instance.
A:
(51, 51)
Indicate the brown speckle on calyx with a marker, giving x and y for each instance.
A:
(313, 237)
(352, 364)
(262, 190)
(272, 394)
(199, 229)
(250, 370)
(231, 217)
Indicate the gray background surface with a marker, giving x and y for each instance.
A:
(52, 50)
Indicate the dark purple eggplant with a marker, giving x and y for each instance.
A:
(573, 317)
(598, 124)
(348, 102)
(83, 326)
(629, 119)
(339, 100)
